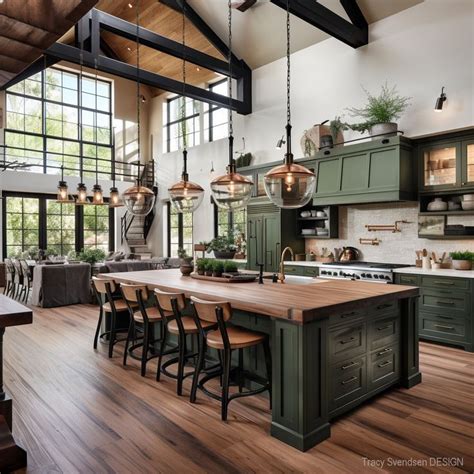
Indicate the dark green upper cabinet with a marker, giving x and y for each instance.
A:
(446, 163)
(375, 171)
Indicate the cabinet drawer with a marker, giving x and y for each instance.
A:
(384, 366)
(452, 303)
(347, 341)
(410, 280)
(346, 317)
(311, 271)
(348, 381)
(294, 270)
(383, 331)
(384, 308)
(450, 330)
(454, 283)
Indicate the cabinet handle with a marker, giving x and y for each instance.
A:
(346, 341)
(352, 379)
(442, 326)
(446, 303)
(444, 317)
(348, 366)
(385, 141)
(384, 364)
(444, 283)
(385, 351)
(385, 305)
(384, 327)
(327, 152)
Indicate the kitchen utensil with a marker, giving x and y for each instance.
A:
(437, 205)
(424, 253)
(443, 257)
(425, 262)
(433, 256)
(348, 254)
(467, 205)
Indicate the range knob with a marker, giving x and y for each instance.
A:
(334, 274)
(369, 275)
(363, 275)
(384, 277)
(323, 272)
(376, 276)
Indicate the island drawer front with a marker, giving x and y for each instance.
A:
(453, 303)
(410, 280)
(384, 366)
(311, 271)
(384, 308)
(348, 381)
(434, 325)
(454, 283)
(347, 316)
(347, 341)
(294, 270)
(383, 331)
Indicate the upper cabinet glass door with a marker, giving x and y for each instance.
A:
(441, 165)
(468, 163)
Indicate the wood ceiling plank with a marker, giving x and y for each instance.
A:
(14, 49)
(11, 64)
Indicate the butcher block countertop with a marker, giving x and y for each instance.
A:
(298, 303)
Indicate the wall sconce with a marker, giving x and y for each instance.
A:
(280, 143)
(440, 100)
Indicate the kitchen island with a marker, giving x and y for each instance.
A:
(335, 343)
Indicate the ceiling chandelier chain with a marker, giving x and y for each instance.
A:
(288, 65)
(138, 77)
(229, 59)
(183, 104)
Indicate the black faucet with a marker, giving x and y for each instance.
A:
(260, 274)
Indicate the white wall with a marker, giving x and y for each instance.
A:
(419, 49)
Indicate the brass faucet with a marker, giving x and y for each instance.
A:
(281, 273)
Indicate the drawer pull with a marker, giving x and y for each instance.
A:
(346, 341)
(384, 364)
(442, 326)
(385, 305)
(446, 303)
(348, 366)
(385, 351)
(347, 315)
(385, 327)
(349, 380)
(444, 317)
(444, 283)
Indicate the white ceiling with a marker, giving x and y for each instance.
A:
(259, 34)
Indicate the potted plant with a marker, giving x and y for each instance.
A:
(230, 267)
(337, 126)
(222, 246)
(380, 112)
(91, 256)
(208, 268)
(186, 266)
(201, 266)
(200, 247)
(462, 260)
(217, 268)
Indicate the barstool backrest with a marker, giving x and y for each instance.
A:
(206, 310)
(100, 285)
(129, 292)
(164, 299)
(25, 268)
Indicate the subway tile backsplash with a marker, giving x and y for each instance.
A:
(396, 247)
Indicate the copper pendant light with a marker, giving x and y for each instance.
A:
(185, 196)
(231, 191)
(139, 200)
(62, 195)
(289, 186)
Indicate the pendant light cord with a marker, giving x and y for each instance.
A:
(288, 155)
(183, 107)
(138, 87)
(229, 88)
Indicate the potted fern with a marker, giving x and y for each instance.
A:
(380, 113)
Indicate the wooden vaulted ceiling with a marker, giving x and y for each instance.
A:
(167, 22)
(27, 28)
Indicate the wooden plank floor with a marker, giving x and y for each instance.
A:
(75, 410)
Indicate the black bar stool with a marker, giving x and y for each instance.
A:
(27, 279)
(225, 340)
(181, 326)
(110, 303)
(10, 286)
(136, 297)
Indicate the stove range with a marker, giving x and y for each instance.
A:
(355, 270)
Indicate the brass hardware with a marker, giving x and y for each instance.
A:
(446, 283)
(384, 364)
(441, 326)
(281, 273)
(384, 327)
(347, 340)
(344, 382)
(446, 303)
(348, 366)
(369, 241)
(385, 351)
(386, 227)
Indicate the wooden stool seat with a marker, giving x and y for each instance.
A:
(120, 305)
(152, 313)
(238, 338)
(189, 325)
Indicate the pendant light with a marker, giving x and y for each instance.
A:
(138, 199)
(231, 191)
(97, 194)
(63, 194)
(185, 195)
(114, 199)
(289, 186)
(81, 198)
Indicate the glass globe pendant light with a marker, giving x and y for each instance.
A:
(62, 195)
(139, 200)
(185, 195)
(289, 186)
(231, 191)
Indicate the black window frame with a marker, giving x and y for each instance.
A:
(169, 123)
(213, 108)
(180, 228)
(230, 222)
(42, 240)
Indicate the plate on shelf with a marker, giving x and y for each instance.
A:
(308, 231)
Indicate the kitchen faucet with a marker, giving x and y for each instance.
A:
(281, 273)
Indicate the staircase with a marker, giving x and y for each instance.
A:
(135, 229)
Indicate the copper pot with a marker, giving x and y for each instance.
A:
(348, 254)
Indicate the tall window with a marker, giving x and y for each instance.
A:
(176, 126)
(230, 223)
(60, 227)
(96, 227)
(180, 231)
(22, 225)
(53, 119)
(216, 118)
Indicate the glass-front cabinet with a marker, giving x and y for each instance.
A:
(468, 163)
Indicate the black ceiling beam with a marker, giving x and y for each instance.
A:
(153, 40)
(354, 13)
(63, 52)
(326, 20)
(203, 27)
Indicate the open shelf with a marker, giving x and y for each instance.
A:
(315, 236)
(447, 237)
(446, 213)
(330, 222)
(313, 218)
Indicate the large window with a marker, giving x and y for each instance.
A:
(39, 221)
(180, 231)
(216, 118)
(54, 119)
(230, 222)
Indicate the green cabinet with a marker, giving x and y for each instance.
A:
(445, 308)
(446, 163)
(269, 231)
(376, 171)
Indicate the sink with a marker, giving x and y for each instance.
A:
(300, 280)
